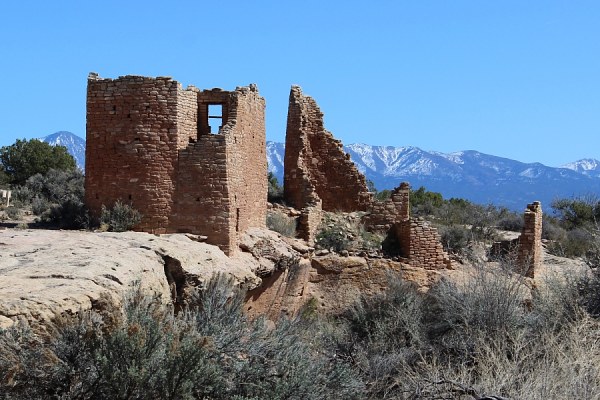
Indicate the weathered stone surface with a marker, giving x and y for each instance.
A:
(149, 145)
(272, 251)
(332, 283)
(48, 273)
(336, 264)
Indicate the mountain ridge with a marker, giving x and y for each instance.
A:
(475, 176)
(469, 174)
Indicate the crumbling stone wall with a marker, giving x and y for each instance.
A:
(418, 241)
(384, 214)
(316, 164)
(526, 250)
(148, 144)
(529, 256)
(421, 244)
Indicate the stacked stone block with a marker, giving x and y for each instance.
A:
(132, 146)
(421, 244)
(384, 214)
(315, 162)
(529, 256)
(148, 145)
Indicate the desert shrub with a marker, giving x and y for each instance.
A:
(12, 212)
(551, 229)
(40, 205)
(22, 194)
(120, 217)
(575, 243)
(491, 302)
(455, 238)
(588, 287)
(332, 237)
(369, 241)
(382, 335)
(389, 319)
(575, 231)
(281, 223)
(512, 222)
(471, 339)
(209, 350)
(56, 198)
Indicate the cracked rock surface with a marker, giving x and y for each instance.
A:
(45, 273)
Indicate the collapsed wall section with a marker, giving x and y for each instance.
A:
(384, 214)
(316, 164)
(132, 146)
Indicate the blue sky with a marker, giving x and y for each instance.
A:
(518, 79)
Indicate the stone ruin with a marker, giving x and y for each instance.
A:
(320, 176)
(6, 194)
(149, 144)
(318, 173)
(526, 250)
(419, 242)
(529, 253)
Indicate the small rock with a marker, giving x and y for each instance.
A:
(322, 252)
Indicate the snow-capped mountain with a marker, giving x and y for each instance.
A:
(74, 144)
(275, 155)
(479, 177)
(587, 166)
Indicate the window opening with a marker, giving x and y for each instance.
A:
(215, 117)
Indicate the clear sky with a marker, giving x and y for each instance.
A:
(518, 79)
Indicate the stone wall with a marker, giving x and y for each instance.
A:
(149, 145)
(132, 146)
(421, 244)
(384, 214)
(315, 162)
(529, 256)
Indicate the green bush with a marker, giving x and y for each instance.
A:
(369, 241)
(120, 217)
(455, 239)
(333, 238)
(274, 190)
(26, 158)
(578, 212)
